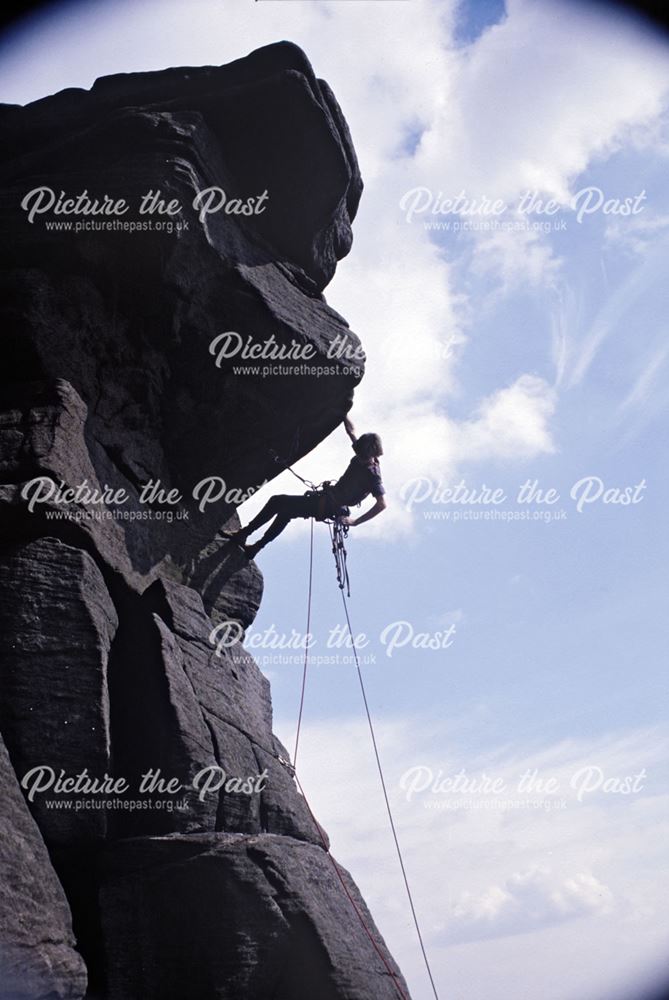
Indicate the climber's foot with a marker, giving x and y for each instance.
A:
(236, 537)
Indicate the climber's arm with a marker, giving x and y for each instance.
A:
(378, 507)
(349, 428)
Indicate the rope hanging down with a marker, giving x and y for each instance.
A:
(338, 535)
(383, 784)
(317, 826)
(306, 647)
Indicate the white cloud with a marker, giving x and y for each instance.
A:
(576, 879)
(527, 901)
(513, 422)
(587, 79)
(516, 259)
(578, 110)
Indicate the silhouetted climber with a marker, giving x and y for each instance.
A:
(362, 477)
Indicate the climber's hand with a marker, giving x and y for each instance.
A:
(348, 521)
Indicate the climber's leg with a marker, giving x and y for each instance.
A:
(270, 510)
(285, 508)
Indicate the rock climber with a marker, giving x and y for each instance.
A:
(361, 478)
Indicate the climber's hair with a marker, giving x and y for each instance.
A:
(368, 446)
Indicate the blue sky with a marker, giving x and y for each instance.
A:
(494, 357)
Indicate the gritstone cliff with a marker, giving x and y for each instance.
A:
(107, 379)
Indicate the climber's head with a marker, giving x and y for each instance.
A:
(368, 446)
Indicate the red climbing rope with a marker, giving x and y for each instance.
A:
(326, 848)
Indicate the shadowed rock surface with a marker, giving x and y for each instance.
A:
(127, 318)
(37, 955)
(297, 942)
(203, 889)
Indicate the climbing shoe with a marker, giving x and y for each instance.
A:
(236, 537)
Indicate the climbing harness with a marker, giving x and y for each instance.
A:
(338, 531)
(338, 534)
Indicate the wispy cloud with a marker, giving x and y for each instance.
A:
(638, 234)
(616, 314)
(645, 381)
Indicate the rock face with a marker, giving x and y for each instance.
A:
(144, 787)
(54, 700)
(297, 942)
(37, 956)
(128, 318)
